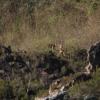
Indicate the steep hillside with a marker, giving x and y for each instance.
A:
(47, 49)
(32, 24)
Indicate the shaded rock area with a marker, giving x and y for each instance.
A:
(54, 72)
(52, 65)
(60, 90)
(12, 62)
(94, 55)
(50, 62)
(17, 62)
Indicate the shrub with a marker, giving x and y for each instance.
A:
(90, 87)
(6, 90)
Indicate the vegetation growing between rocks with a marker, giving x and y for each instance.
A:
(29, 26)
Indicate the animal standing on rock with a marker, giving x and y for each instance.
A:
(57, 48)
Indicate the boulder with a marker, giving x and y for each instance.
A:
(94, 55)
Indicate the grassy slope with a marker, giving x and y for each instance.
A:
(29, 27)
(90, 87)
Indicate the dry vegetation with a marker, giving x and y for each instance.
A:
(31, 24)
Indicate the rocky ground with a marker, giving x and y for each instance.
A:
(48, 69)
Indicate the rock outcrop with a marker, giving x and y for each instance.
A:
(13, 62)
(94, 55)
(49, 68)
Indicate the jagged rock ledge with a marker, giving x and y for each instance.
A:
(93, 62)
